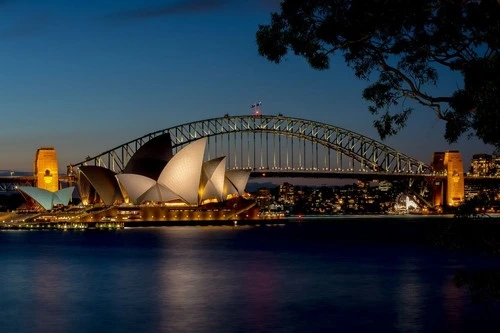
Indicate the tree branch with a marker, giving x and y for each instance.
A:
(433, 102)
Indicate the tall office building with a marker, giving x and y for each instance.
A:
(482, 165)
(287, 193)
(46, 169)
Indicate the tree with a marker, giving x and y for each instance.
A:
(401, 46)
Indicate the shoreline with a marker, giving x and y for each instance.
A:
(8, 220)
(481, 235)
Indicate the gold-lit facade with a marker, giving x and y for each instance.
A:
(438, 185)
(46, 169)
(455, 190)
(449, 191)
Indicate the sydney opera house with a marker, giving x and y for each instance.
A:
(158, 185)
(46, 199)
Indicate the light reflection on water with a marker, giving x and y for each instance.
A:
(220, 279)
(410, 299)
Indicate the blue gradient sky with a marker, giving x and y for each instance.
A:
(85, 76)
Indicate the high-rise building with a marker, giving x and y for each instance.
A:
(287, 193)
(496, 165)
(481, 165)
(46, 170)
(384, 186)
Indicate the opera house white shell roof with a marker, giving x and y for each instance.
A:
(182, 174)
(103, 181)
(185, 176)
(150, 159)
(236, 181)
(212, 179)
(47, 199)
(140, 189)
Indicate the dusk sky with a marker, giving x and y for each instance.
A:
(85, 76)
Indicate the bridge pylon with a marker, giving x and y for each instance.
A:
(448, 190)
(46, 169)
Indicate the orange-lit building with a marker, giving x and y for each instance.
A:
(455, 191)
(438, 184)
(448, 190)
(46, 170)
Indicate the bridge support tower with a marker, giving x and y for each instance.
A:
(449, 190)
(46, 169)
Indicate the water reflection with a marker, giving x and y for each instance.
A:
(229, 280)
(410, 299)
(453, 304)
(261, 289)
(185, 291)
(50, 286)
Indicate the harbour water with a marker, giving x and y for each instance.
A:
(226, 279)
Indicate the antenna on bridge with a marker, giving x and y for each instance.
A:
(256, 108)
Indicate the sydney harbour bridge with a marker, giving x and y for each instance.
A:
(279, 146)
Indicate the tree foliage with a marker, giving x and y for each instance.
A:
(400, 47)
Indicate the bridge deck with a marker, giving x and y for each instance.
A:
(298, 174)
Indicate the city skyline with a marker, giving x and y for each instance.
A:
(88, 76)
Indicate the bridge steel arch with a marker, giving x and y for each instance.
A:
(284, 141)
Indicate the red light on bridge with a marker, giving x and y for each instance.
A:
(263, 174)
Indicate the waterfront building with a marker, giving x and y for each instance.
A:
(40, 199)
(97, 184)
(481, 165)
(287, 193)
(264, 198)
(155, 175)
(384, 185)
(45, 195)
(472, 190)
(496, 165)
